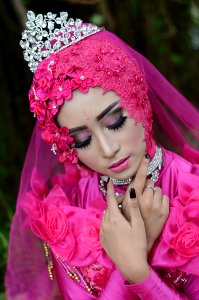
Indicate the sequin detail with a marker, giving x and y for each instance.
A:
(174, 278)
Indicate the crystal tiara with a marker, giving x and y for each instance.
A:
(47, 34)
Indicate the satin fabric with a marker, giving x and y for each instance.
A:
(175, 172)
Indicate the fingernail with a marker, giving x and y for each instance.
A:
(147, 156)
(132, 193)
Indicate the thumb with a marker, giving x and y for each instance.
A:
(134, 208)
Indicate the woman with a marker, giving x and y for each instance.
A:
(100, 205)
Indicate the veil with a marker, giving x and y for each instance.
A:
(176, 127)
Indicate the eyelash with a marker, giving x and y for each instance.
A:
(115, 126)
(118, 124)
(83, 144)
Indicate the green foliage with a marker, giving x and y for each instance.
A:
(4, 236)
(2, 296)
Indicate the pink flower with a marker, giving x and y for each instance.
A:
(61, 90)
(54, 220)
(70, 155)
(81, 83)
(61, 69)
(67, 248)
(64, 140)
(56, 225)
(48, 137)
(67, 90)
(42, 84)
(31, 95)
(38, 107)
(64, 131)
(90, 233)
(56, 92)
(48, 218)
(54, 105)
(182, 229)
(186, 241)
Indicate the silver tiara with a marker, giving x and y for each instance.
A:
(47, 34)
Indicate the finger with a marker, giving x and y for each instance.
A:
(140, 177)
(134, 208)
(158, 194)
(165, 204)
(111, 200)
(148, 188)
(149, 182)
(157, 199)
(105, 215)
(125, 209)
(124, 205)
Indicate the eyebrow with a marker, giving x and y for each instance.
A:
(98, 118)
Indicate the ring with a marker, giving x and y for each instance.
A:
(150, 187)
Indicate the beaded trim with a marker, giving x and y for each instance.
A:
(49, 260)
(75, 274)
(104, 181)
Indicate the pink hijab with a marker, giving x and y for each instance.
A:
(176, 124)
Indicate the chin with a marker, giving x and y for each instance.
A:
(127, 173)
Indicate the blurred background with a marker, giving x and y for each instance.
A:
(165, 31)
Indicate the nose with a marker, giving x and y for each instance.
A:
(109, 146)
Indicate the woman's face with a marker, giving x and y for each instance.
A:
(106, 139)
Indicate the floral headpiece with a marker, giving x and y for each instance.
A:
(93, 61)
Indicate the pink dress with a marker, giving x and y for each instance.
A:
(174, 259)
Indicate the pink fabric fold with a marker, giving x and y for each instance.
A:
(178, 245)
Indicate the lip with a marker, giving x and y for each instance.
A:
(120, 165)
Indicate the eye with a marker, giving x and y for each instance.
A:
(118, 124)
(82, 144)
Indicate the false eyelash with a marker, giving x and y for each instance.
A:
(120, 122)
(84, 144)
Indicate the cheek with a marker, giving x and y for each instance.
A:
(87, 157)
(135, 136)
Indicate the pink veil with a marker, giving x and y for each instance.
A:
(176, 126)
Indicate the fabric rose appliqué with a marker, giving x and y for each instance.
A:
(56, 225)
(90, 233)
(47, 216)
(186, 241)
(182, 229)
(71, 232)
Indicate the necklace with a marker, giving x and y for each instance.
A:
(153, 169)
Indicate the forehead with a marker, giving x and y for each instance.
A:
(85, 106)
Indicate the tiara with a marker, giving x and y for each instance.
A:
(47, 34)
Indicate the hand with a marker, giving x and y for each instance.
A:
(154, 206)
(125, 242)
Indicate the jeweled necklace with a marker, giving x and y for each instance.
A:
(153, 169)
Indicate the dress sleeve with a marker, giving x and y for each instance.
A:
(154, 288)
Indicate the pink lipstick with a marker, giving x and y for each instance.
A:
(120, 165)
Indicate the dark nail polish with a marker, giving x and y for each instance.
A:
(147, 156)
(132, 193)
